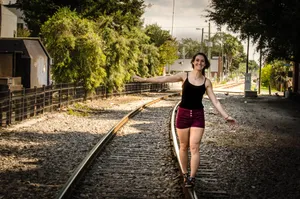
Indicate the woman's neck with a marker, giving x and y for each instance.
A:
(197, 74)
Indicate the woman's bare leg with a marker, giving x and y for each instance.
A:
(183, 136)
(195, 139)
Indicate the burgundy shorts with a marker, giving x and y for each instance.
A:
(187, 118)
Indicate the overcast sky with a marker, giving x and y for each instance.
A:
(188, 15)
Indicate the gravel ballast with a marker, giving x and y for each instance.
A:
(258, 158)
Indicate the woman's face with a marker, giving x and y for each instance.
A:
(199, 62)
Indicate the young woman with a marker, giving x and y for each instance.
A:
(190, 121)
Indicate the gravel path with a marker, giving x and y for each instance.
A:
(260, 158)
(38, 155)
(139, 162)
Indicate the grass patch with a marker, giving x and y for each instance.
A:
(79, 109)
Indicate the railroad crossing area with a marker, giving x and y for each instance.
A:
(258, 158)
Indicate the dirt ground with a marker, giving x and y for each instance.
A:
(259, 157)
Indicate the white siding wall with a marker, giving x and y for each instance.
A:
(9, 1)
(8, 22)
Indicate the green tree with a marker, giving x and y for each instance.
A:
(230, 47)
(266, 75)
(157, 36)
(273, 24)
(167, 54)
(125, 12)
(75, 48)
(252, 67)
(279, 74)
(223, 44)
(275, 74)
(167, 48)
(128, 52)
(188, 47)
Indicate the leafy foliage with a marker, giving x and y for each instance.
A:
(126, 12)
(232, 49)
(252, 67)
(168, 48)
(76, 49)
(275, 74)
(189, 47)
(273, 24)
(223, 44)
(103, 44)
(23, 32)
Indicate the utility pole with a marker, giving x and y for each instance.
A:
(202, 40)
(259, 74)
(222, 54)
(247, 63)
(173, 17)
(247, 75)
(168, 66)
(209, 48)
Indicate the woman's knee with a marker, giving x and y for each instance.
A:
(184, 147)
(194, 148)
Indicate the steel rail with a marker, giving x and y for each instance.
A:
(68, 188)
(190, 191)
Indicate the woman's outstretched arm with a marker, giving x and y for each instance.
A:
(160, 79)
(216, 102)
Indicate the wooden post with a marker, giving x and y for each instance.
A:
(59, 97)
(1, 114)
(35, 101)
(44, 98)
(24, 110)
(74, 91)
(51, 97)
(68, 93)
(8, 113)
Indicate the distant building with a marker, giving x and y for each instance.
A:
(216, 68)
(11, 18)
(184, 65)
(25, 60)
(180, 65)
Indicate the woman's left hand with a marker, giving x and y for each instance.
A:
(230, 120)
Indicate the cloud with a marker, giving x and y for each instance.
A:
(182, 8)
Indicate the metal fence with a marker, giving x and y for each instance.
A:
(16, 106)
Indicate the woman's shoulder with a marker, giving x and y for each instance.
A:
(183, 75)
(207, 82)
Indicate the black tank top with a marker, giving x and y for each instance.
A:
(192, 95)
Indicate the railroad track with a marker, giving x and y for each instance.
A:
(230, 85)
(229, 88)
(135, 160)
(207, 186)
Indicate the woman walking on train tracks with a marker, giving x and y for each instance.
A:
(190, 121)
